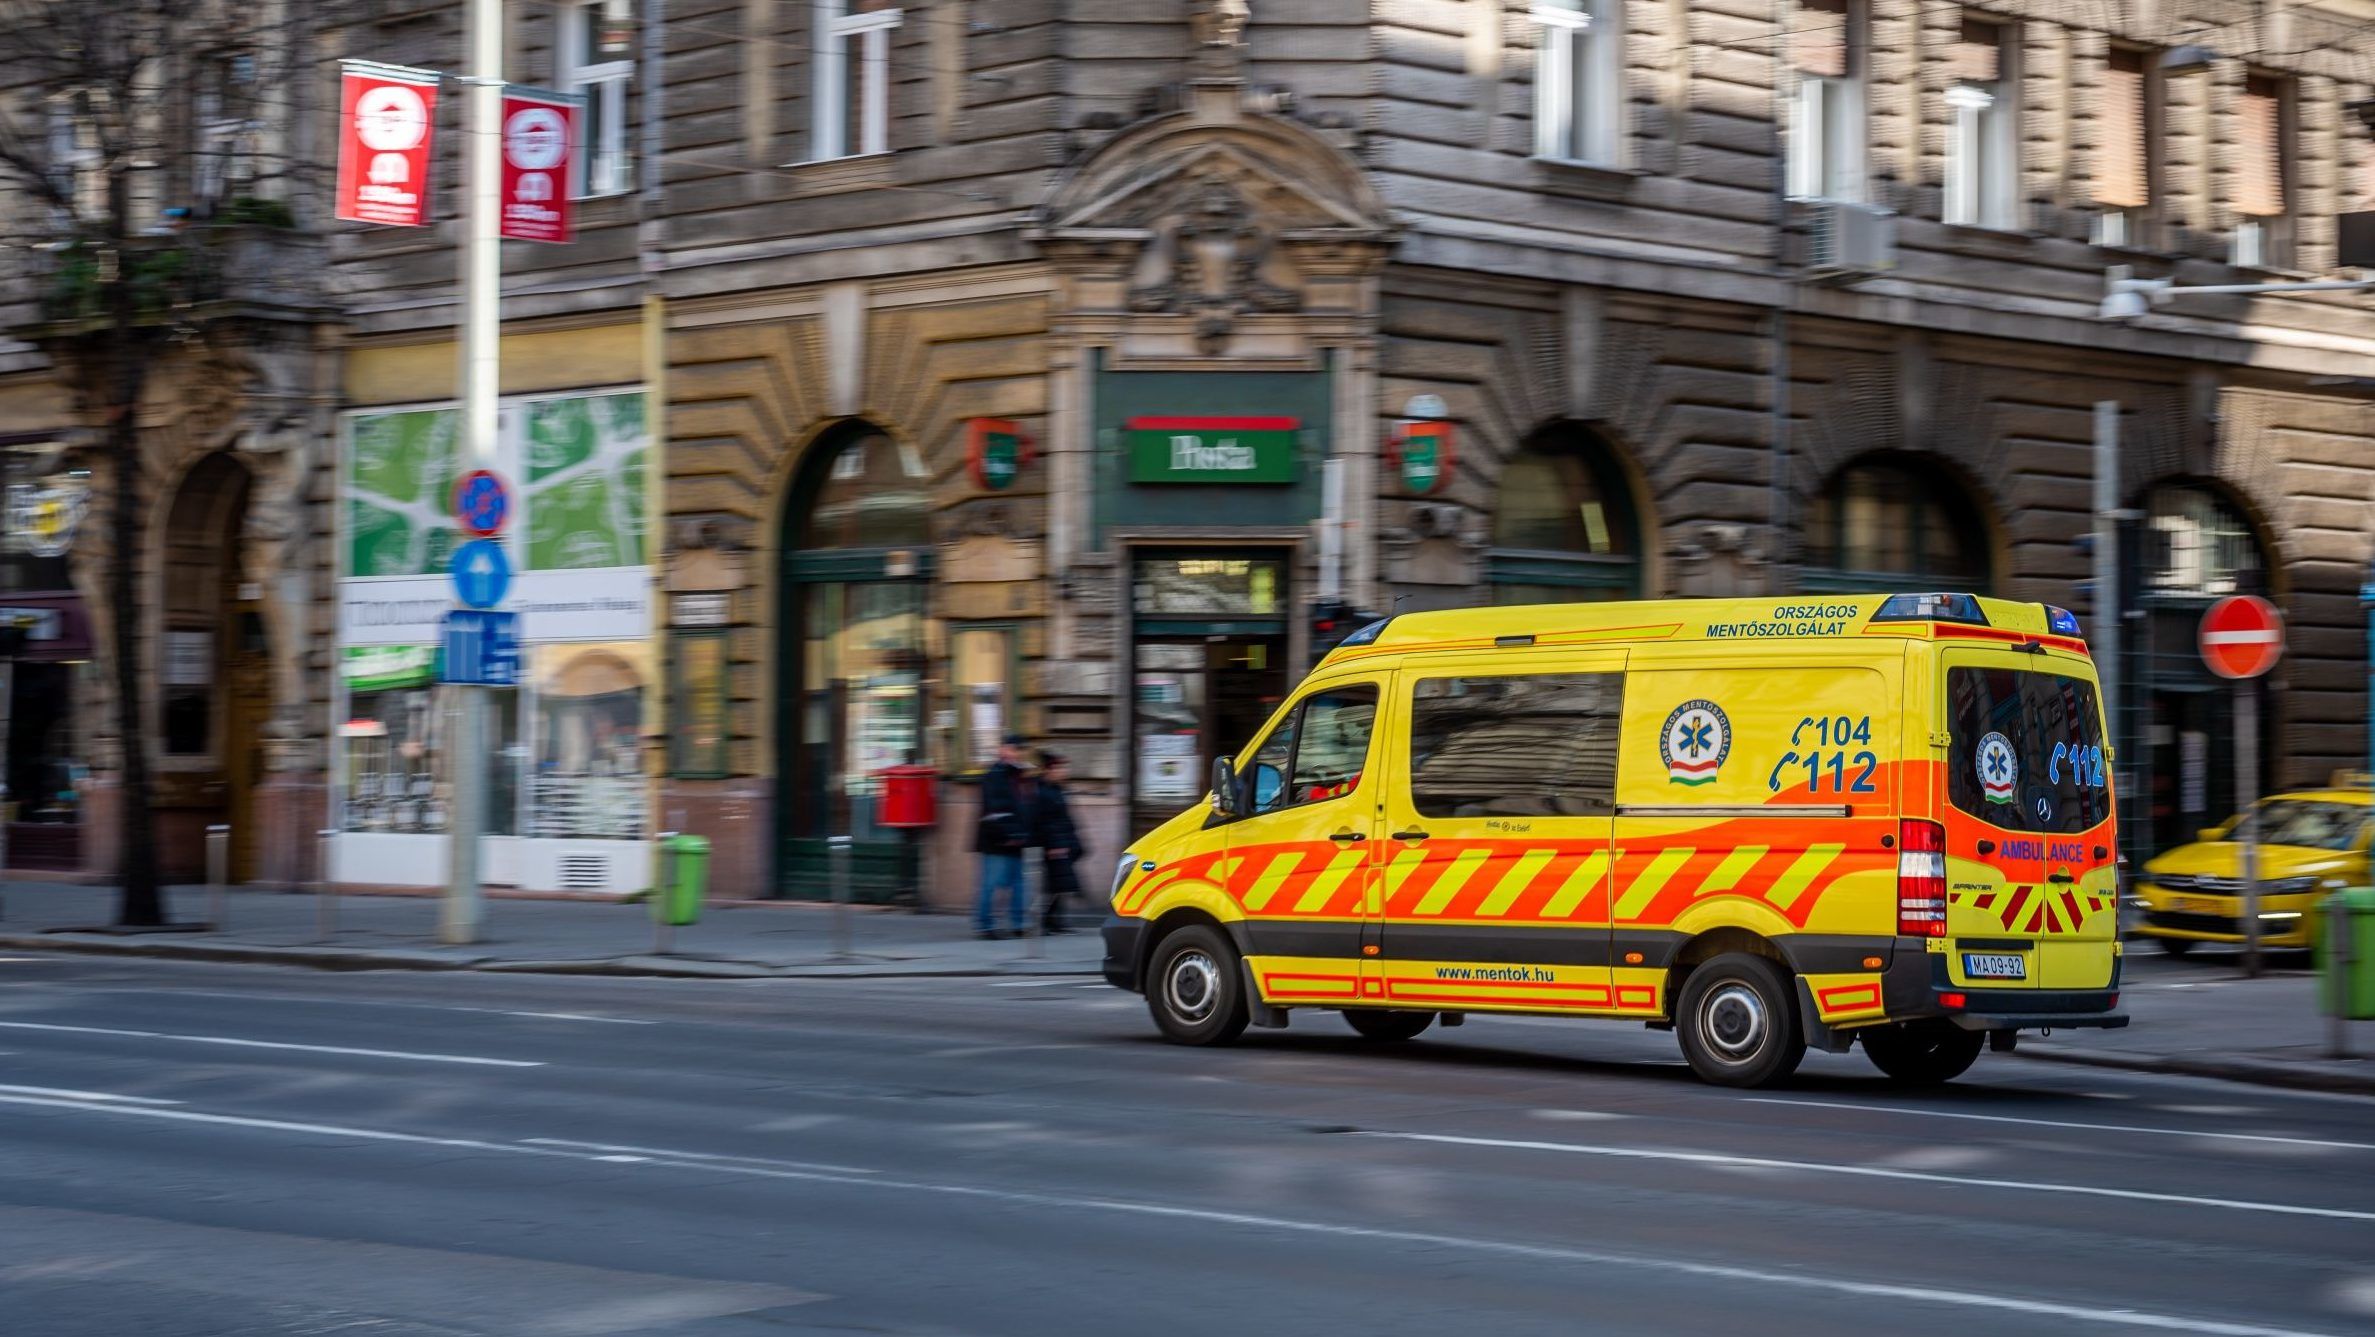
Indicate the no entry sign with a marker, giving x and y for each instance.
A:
(2242, 636)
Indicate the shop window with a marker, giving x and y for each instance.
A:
(1564, 530)
(2198, 544)
(699, 738)
(393, 752)
(588, 781)
(1890, 523)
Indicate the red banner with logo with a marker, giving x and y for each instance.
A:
(387, 119)
(539, 155)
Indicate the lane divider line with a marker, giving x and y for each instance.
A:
(274, 1044)
(2095, 1314)
(673, 1154)
(1727, 1161)
(67, 1093)
(2066, 1123)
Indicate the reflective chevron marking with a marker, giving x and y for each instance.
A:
(1578, 885)
(1514, 882)
(1801, 874)
(1272, 878)
(1735, 866)
(1453, 878)
(1323, 887)
(1405, 863)
(1652, 880)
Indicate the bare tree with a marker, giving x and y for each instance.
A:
(134, 133)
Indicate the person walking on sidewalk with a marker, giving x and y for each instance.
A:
(1003, 834)
(1059, 841)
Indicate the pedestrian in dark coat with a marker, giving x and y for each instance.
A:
(1001, 835)
(1059, 842)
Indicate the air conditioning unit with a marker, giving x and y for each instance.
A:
(1849, 241)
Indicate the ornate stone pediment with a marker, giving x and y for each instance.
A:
(1217, 213)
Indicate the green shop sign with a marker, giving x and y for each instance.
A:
(1212, 450)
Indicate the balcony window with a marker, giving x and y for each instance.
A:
(1983, 146)
(1579, 82)
(853, 78)
(2263, 176)
(1826, 149)
(591, 64)
(2123, 151)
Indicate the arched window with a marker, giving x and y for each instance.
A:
(1564, 530)
(1895, 523)
(2198, 544)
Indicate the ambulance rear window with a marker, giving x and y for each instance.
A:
(2028, 750)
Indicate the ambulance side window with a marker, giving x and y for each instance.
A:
(1537, 745)
(1316, 753)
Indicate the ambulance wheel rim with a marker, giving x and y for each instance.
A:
(1734, 1021)
(1192, 986)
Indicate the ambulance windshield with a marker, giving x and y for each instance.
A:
(2028, 750)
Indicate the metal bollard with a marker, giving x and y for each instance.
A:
(1033, 945)
(663, 935)
(325, 896)
(839, 847)
(218, 876)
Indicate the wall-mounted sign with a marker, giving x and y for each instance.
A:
(700, 610)
(1212, 450)
(42, 516)
(539, 147)
(995, 451)
(386, 116)
(189, 658)
(1424, 452)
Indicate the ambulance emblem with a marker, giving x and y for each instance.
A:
(1999, 768)
(1697, 739)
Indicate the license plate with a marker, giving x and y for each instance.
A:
(1984, 966)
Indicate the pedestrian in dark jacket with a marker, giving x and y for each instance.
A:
(1001, 836)
(1059, 840)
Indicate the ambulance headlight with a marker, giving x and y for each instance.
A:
(1121, 874)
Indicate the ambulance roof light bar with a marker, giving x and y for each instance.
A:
(1931, 608)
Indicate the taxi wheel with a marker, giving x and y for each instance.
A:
(1738, 1023)
(2176, 946)
(1196, 989)
(1923, 1053)
(1391, 1027)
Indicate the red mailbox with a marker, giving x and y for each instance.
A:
(910, 796)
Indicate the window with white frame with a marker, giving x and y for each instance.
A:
(1983, 146)
(1826, 147)
(2123, 150)
(595, 60)
(1579, 73)
(853, 78)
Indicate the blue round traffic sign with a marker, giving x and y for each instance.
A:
(481, 502)
(482, 573)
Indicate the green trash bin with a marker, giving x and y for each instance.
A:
(2346, 953)
(679, 901)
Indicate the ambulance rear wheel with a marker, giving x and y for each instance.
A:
(1196, 989)
(1923, 1053)
(1391, 1027)
(1738, 1023)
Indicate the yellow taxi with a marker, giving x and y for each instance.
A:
(1882, 820)
(2311, 843)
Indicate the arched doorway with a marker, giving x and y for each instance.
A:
(2195, 545)
(851, 655)
(1896, 522)
(213, 673)
(1564, 526)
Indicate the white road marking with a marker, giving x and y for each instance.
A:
(670, 1153)
(2067, 1123)
(1029, 984)
(979, 1051)
(1578, 1116)
(66, 1093)
(567, 1016)
(1730, 1162)
(1998, 1303)
(276, 1044)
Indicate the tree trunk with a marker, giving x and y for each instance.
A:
(124, 360)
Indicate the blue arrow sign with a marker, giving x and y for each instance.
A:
(482, 573)
(482, 648)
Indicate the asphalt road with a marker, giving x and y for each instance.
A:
(192, 1149)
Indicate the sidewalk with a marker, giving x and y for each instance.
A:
(786, 940)
(2210, 1021)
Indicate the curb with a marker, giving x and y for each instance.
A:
(350, 959)
(2257, 1072)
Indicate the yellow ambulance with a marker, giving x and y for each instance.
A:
(1764, 824)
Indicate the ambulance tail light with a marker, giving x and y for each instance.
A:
(1921, 879)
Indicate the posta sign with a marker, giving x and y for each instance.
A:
(1212, 450)
(539, 155)
(2242, 636)
(386, 123)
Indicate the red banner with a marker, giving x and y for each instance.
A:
(539, 151)
(386, 120)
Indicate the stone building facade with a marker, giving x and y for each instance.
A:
(1015, 365)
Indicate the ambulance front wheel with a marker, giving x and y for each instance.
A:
(1923, 1053)
(1196, 988)
(1391, 1027)
(1738, 1022)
